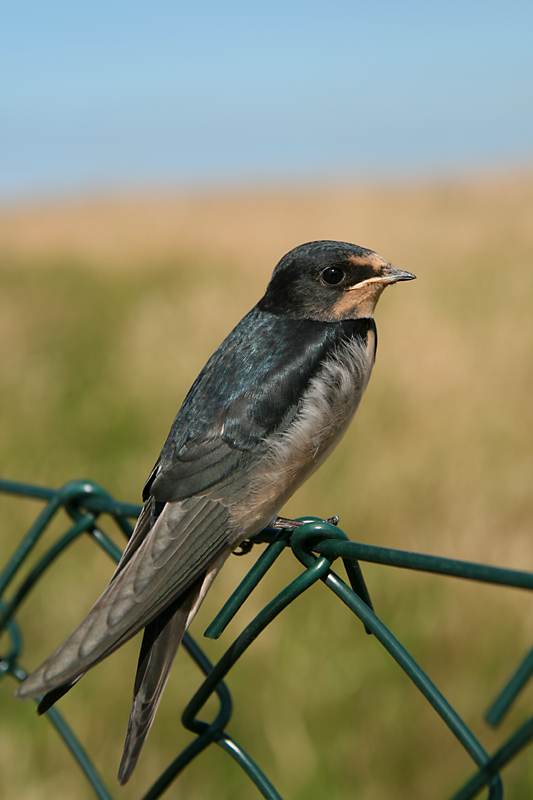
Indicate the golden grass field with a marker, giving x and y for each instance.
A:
(109, 307)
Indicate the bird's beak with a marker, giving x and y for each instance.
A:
(388, 275)
(391, 275)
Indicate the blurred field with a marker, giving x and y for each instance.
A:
(109, 308)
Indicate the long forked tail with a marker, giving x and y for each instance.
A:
(161, 641)
(159, 586)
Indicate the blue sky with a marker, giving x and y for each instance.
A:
(102, 95)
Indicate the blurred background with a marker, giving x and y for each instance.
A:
(157, 160)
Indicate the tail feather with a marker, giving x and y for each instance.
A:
(159, 585)
(161, 641)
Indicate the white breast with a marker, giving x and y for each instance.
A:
(325, 413)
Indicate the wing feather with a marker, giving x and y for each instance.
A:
(183, 544)
(250, 388)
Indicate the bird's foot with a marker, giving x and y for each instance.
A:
(284, 524)
(291, 524)
(281, 523)
(244, 548)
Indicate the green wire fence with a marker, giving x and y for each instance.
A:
(316, 544)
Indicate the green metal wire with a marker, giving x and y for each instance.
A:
(316, 544)
(510, 691)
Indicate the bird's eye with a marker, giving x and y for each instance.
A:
(332, 275)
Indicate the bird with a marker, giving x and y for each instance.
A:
(267, 409)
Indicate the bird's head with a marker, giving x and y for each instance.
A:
(329, 281)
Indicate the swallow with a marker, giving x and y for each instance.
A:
(266, 410)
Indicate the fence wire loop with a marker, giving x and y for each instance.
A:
(316, 544)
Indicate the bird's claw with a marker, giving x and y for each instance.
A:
(291, 524)
(243, 548)
(285, 524)
(281, 523)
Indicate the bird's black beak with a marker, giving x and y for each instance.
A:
(387, 275)
(392, 275)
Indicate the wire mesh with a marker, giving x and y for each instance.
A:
(316, 544)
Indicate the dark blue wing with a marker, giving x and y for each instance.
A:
(250, 388)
